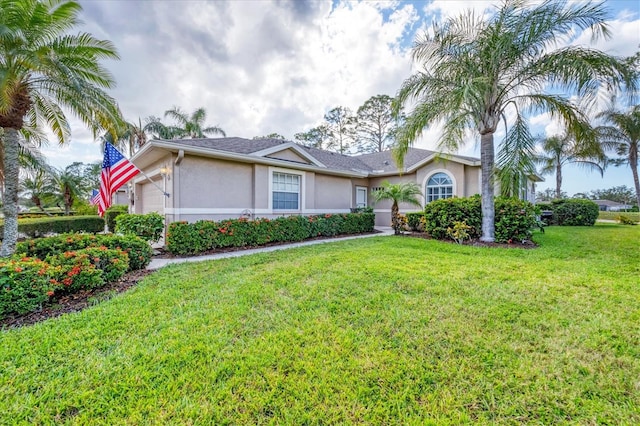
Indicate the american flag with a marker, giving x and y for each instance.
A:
(116, 171)
(95, 197)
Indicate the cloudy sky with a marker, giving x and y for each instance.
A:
(278, 66)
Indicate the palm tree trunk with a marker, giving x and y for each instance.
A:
(487, 158)
(10, 198)
(633, 163)
(558, 181)
(395, 210)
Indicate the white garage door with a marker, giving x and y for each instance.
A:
(152, 199)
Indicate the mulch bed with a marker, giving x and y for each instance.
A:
(526, 244)
(75, 302)
(84, 299)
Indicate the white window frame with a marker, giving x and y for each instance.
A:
(301, 198)
(366, 200)
(454, 189)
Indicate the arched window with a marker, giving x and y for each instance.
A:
(439, 186)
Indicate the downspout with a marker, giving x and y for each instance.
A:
(176, 183)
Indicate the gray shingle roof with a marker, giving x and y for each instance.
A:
(381, 162)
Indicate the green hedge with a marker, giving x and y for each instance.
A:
(58, 225)
(441, 214)
(88, 268)
(192, 238)
(25, 285)
(514, 219)
(414, 221)
(575, 212)
(138, 250)
(111, 213)
(148, 226)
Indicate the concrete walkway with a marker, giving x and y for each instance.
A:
(159, 263)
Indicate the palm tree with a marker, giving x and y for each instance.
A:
(406, 192)
(37, 186)
(478, 70)
(559, 151)
(129, 137)
(43, 69)
(69, 187)
(191, 126)
(623, 136)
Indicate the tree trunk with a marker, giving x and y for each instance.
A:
(633, 163)
(558, 181)
(10, 199)
(487, 158)
(394, 218)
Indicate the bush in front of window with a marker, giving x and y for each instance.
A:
(192, 238)
(442, 214)
(514, 218)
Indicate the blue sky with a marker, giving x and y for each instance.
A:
(277, 66)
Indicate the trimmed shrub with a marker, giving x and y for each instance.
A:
(575, 212)
(625, 220)
(191, 238)
(58, 225)
(514, 219)
(25, 285)
(88, 268)
(440, 215)
(111, 213)
(148, 226)
(415, 221)
(138, 250)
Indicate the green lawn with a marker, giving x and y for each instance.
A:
(388, 330)
(614, 215)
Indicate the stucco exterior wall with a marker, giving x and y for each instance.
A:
(332, 193)
(140, 205)
(472, 178)
(288, 155)
(215, 184)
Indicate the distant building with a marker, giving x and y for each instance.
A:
(611, 206)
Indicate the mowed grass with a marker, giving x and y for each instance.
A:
(387, 330)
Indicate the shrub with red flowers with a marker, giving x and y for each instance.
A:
(25, 285)
(88, 268)
(138, 250)
(192, 238)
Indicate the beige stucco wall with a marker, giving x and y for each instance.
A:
(472, 180)
(288, 155)
(165, 183)
(332, 193)
(211, 183)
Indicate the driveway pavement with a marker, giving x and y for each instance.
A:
(159, 263)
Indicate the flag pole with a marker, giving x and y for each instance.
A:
(166, 194)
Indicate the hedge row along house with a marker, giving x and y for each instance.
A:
(232, 177)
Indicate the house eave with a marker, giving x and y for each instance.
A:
(140, 161)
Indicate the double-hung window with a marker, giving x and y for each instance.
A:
(286, 191)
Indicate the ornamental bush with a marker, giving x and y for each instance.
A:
(25, 285)
(111, 213)
(59, 225)
(514, 218)
(138, 250)
(440, 215)
(191, 238)
(575, 212)
(415, 221)
(148, 226)
(89, 268)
